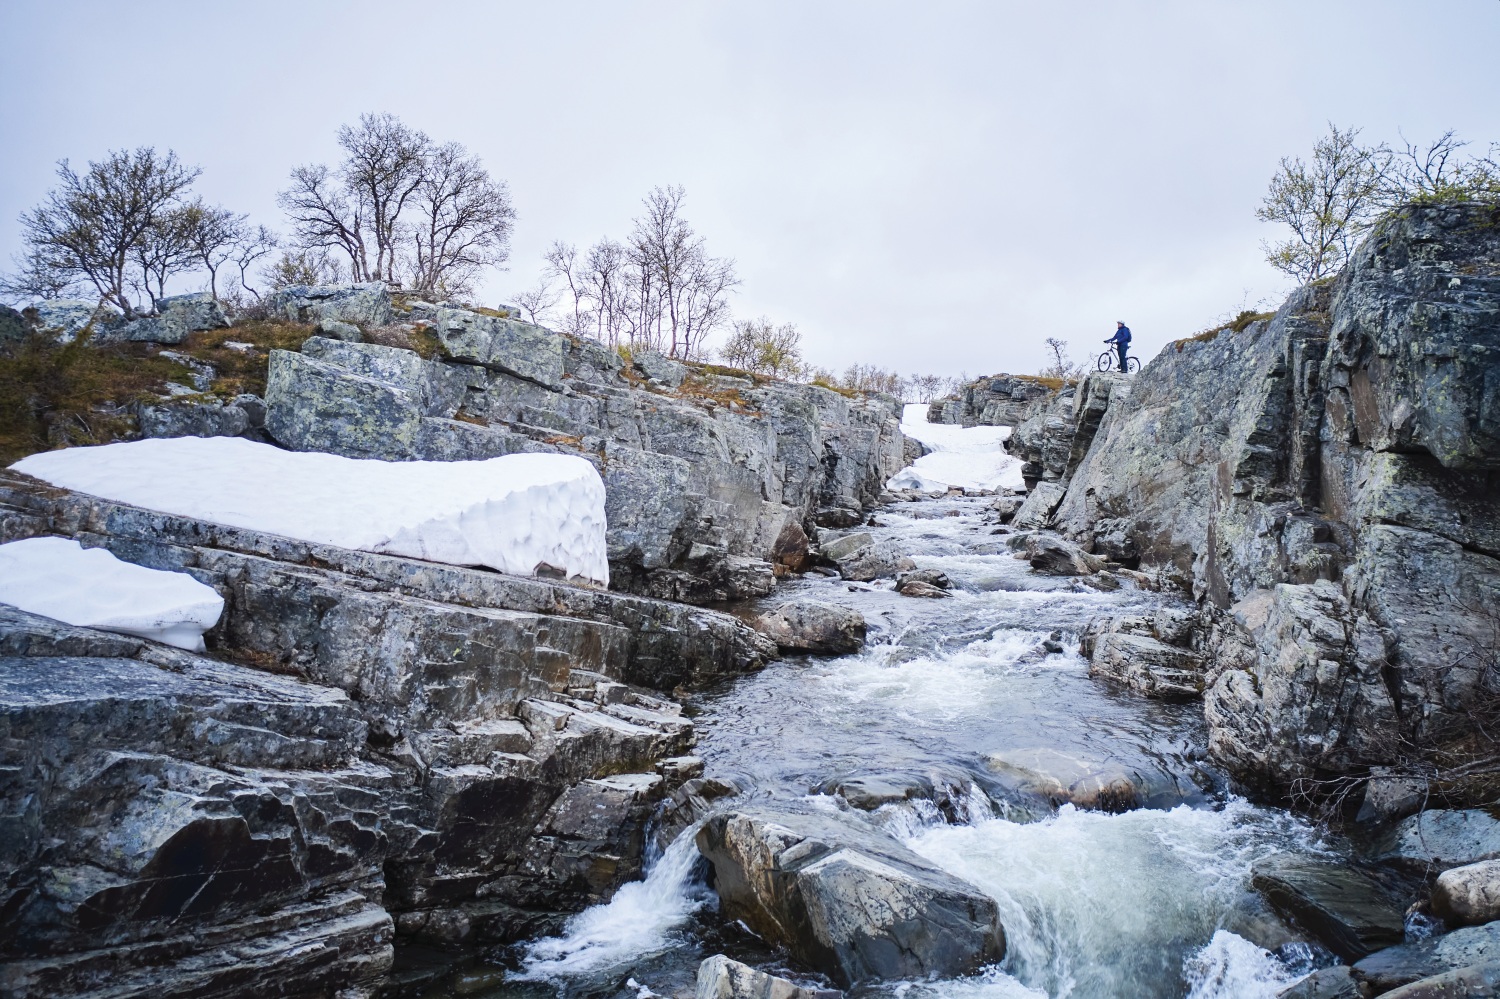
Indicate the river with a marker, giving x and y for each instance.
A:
(965, 693)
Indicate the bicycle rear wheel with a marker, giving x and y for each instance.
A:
(1133, 363)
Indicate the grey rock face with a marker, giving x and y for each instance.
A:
(1321, 480)
(1346, 911)
(853, 904)
(704, 474)
(241, 791)
(1468, 895)
(1036, 510)
(360, 304)
(814, 626)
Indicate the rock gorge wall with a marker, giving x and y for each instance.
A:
(1325, 485)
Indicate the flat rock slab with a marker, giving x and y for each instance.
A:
(1476, 982)
(1442, 838)
(1397, 966)
(1326, 983)
(1347, 912)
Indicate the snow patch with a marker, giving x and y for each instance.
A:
(510, 513)
(89, 587)
(963, 457)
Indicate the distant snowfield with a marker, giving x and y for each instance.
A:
(965, 457)
(510, 513)
(89, 587)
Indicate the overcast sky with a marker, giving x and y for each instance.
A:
(924, 186)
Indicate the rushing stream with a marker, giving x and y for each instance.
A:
(964, 693)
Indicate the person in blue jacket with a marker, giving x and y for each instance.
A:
(1121, 340)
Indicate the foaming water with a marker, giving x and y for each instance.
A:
(1099, 905)
(1231, 967)
(643, 919)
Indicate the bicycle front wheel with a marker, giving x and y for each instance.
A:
(1106, 361)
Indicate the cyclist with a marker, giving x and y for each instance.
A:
(1121, 340)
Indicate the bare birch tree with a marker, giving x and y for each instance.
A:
(1328, 204)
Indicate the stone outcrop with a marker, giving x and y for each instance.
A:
(1325, 482)
(996, 401)
(851, 903)
(380, 746)
(705, 472)
(176, 317)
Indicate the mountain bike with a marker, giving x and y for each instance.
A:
(1106, 362)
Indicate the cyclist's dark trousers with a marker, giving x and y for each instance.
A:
(1121, 349)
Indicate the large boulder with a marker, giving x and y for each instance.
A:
(177, 316)
(846, 900)
(1468, 895)
(62, 319)
(1478, 981)
(507, 345)
(814, 626)
(361, 304)
(1345, 910)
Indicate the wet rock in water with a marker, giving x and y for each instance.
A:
(918, 588)
(878, 561)
(1129, 649)
(1151, 667)
(869, 792)
(932, 577)
(722, 978)
(1055, 556)
(1474, 982)
(790, 551)
(1057, 778)
(845, 546)
(814, 626)
(847, 900)
(1325, 983)
(1344, 909)
(1035, 511)
(1006, 507)
(1397, 966)
(1468, 895)
(1441, 838)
